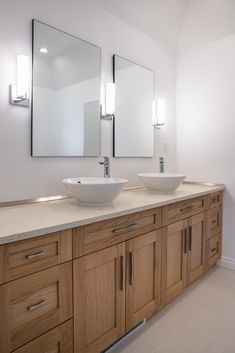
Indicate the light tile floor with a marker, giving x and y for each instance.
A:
(202, 320)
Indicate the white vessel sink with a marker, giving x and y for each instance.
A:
(92, 191)
(162, 182)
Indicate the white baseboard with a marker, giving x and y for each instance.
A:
(227, 263)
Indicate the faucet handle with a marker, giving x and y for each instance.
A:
(105, 161)
(161, 161)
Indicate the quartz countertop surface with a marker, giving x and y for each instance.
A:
(31, 220)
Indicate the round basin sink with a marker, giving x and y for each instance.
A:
(162, 182)
(92, 191)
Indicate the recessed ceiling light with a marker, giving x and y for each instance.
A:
(43, 50)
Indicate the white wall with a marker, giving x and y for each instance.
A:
(206, 105)
(22, 176)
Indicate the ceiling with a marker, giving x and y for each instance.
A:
(161, 19)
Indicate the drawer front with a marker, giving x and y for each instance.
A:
(215, 199)
(100, 235)
(213, 250)
(214, 222)
(29, 256)
(184, 209)
(34, 304)
(58, 340)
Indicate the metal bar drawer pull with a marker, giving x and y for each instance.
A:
(186, 209)
(37, 305)
(34, 256)
(124, 229)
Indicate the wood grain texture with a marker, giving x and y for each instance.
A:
(99, 299)
(58, 340)
(197, 250)
(214, 221)
(184, 209)
(23, 258)
(174, 264)
(112, 291)
(18, 324)
(213, 250)
(143, 277)
(101, 235)
(215, 199)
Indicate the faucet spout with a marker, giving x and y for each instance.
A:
(106, 164)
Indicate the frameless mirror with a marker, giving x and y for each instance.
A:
(134, 94)
(66, 94)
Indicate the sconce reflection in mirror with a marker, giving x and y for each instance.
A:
(109, 107)
(159, 113)
(19, 93)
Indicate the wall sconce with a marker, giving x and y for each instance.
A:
(19, 93)
(109, 102)
(159, 113)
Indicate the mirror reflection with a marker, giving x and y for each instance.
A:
(66, 94)
(134, 93)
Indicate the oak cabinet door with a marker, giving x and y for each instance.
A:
(196, 246)
(143, 277)
(99, 299)
(174, 266)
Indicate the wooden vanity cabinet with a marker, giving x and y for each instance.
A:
(33, 305)
(214, 231)
(99, 299)
(25, 257)
(143, 277)
(196, 246)
(58, 340)
(78, 291)
(184, 259)
(114, 289)
(174, 261)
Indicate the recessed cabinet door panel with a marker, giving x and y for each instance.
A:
(99, 299)
(143, 277)
(196, 246)
(174, 274)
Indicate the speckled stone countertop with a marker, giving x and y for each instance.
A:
(31, 220)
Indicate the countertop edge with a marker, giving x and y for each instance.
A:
(65, 226)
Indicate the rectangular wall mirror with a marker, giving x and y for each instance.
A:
(65, 94)
(134, 94)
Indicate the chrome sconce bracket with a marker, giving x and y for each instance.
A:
(158, 126)
(20, 101)
(107, 116)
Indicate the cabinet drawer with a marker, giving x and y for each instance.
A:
(213, 250)
(33, 305)
(93, 237)
(183, 209)
(24, 257)
(214, 216)
(215, 199)
(58, 340)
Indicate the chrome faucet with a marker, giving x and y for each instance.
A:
(106, 164)
(161, 161)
